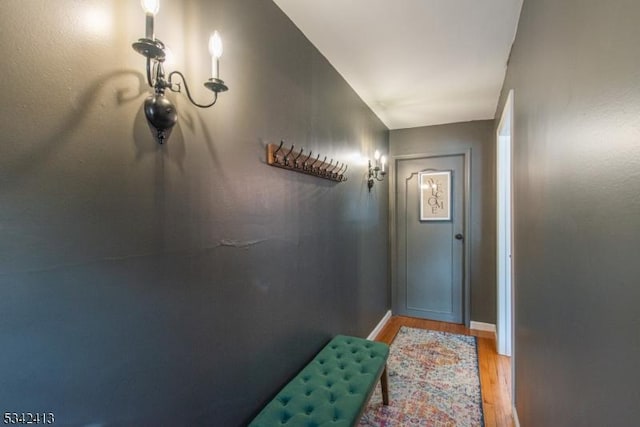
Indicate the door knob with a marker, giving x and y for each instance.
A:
(459, 236)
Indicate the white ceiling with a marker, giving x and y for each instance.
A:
(415, 62)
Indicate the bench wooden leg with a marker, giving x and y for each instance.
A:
(384, 384)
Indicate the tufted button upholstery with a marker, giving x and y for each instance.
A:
(332, 389)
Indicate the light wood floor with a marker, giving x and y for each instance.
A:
(495, 370)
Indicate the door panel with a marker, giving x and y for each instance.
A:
(429, 265)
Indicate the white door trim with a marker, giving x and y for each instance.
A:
(505, 238)
(504, 246)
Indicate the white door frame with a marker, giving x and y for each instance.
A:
(504, 256)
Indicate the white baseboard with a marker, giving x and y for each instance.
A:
(379, 326)
(514, 413)
(480, 326)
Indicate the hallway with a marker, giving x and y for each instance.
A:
(173, 281)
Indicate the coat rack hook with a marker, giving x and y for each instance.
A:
(334, 173)
(331, 172)
(317, 170)
(286, 156)
(275, 153)
(341, 176)
(326, 168)
(314, 162)
(305, 164)
(295, 160)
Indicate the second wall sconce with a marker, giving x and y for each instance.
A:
(160, 111)
(377, 170)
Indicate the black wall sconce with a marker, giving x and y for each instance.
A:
(377, 171)
(160, 111)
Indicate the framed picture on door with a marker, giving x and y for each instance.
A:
(435, 195)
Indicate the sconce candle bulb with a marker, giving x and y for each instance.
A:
(159, 110)
(215, 50)
(150, 7)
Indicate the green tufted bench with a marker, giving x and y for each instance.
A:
(333, 389)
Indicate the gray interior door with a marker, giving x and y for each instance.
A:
(429, 269)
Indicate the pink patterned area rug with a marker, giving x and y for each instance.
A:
(433, 381)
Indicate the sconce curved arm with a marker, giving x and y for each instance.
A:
(186, 87)
(150, 80)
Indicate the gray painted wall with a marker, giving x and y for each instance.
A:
(575, 68)
(179, 284)
(479, 137)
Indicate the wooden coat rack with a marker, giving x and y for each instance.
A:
(297, 161)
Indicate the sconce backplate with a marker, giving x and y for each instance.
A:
(161, 114)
